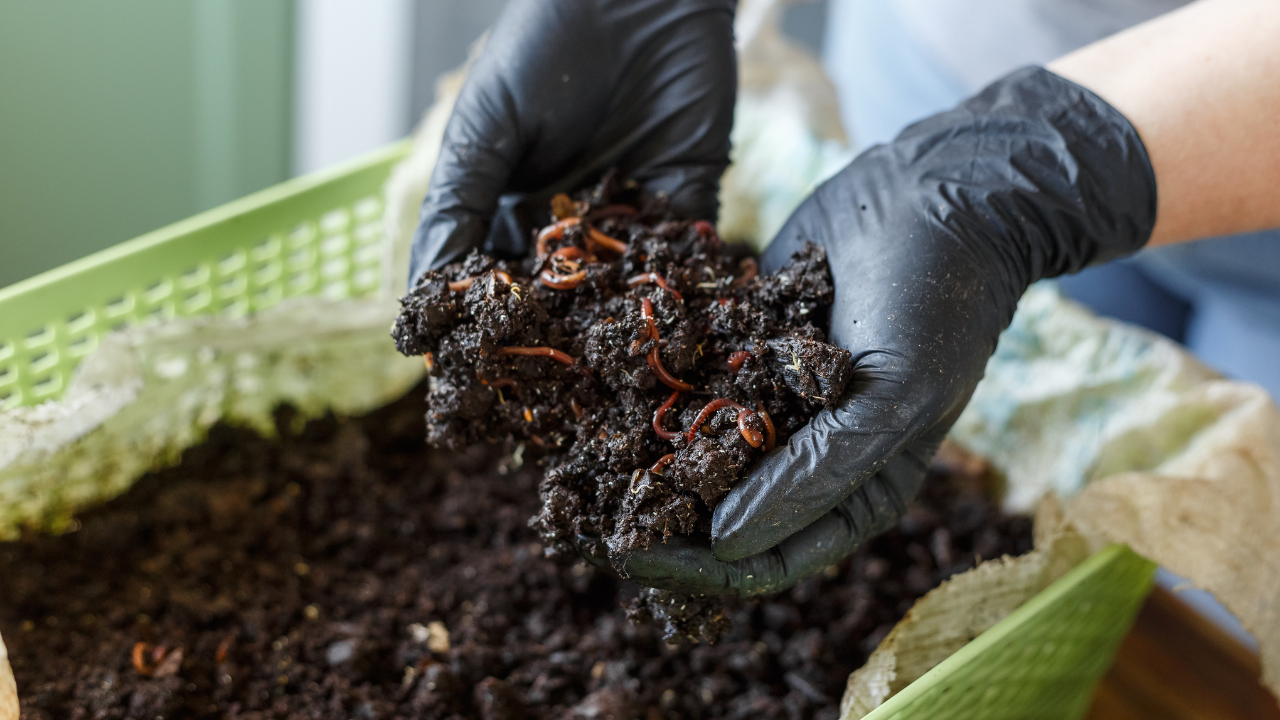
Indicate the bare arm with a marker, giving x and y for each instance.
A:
(1202, 87)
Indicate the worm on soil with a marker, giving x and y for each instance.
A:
(663, 461)
(770, 437)
(656, 279)
(562, 282)
(554, 232)
(148, 666)
(655, 362)
(465, 283)
(223, 647)
(595, 237)
(571, 257)
(658, 415)
(552, 353)
(753, 437)
(737, 359)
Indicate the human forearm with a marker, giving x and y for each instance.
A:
(1202, 87)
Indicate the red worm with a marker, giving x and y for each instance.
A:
(655, 361)
(646, 309)
(667, 379)
(753, 437)
(554, 232)
(542, 351)
(572, 254)
(660, 412)
(663, 461)
(656, 279)
(501, 383)
(770, 437)
(711, 407)
(599, 238)
(465, 283)
(140, 660)
(610, 211)
(571, 257)
(750, 268)
(737, 359)
(562, 282)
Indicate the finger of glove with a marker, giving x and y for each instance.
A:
(686, 565)
(513, 98)
(682, 148)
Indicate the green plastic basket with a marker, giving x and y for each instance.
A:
(1043, 660)
(316, 235)
(322, 235)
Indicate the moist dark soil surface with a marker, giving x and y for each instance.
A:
(347, 571)
(647, 361)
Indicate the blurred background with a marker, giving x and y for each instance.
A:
(117, 118)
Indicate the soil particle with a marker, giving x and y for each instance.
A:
(346, 570)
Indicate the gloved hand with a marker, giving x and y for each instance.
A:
(932, 240)
(565, 90)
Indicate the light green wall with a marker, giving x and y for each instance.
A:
(120, 116)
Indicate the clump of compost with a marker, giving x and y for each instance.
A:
(646, 363)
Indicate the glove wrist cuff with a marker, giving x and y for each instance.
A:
(1058, 178)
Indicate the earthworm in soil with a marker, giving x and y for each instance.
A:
(554, 232)
(753, 437)
(595, 237)
(660, 412)
(770, 437)
(663, 461)
(552, 353)
(656, 279)
(562, 282)
(655, 361)
(465, 283)
(737, 359)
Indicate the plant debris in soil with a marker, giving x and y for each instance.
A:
(646, 363)
(346, 570)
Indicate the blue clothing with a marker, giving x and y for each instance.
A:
(897, 61)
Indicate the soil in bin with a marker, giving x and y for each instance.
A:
(345, 570)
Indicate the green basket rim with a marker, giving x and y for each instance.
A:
(254, 201)
(1011, 624)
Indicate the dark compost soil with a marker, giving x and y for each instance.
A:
(347, 571)
(650, 363)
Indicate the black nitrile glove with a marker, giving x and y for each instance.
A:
(567, 89)
(932, 240)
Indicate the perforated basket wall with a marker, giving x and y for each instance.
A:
(317, 235)
(1043, 660)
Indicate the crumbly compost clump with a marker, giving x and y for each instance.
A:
(646, 362)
